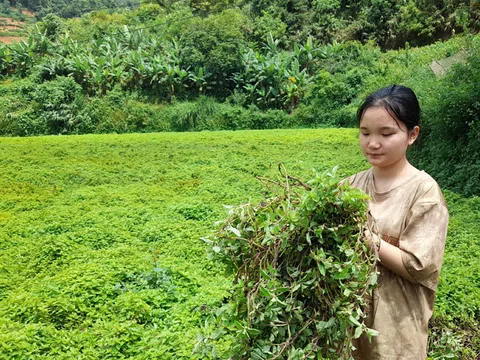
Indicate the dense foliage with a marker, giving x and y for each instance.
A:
(69, 8)
(101, 255)
(317, 83)
(223, 51)
(303, 274)
(389, 22)
(451, 145)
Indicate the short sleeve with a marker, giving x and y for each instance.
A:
(348, 180)
(423, 239)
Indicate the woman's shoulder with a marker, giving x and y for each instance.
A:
(359, 178)
(427, 189)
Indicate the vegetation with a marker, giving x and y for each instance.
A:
(303, 271)
(211, 76)
(452, 128)
(388, 22)
(101, 253)
(68, 9)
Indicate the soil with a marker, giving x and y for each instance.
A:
(28, 12)
(11, 22)
(10, 39)
(9, 27)
(7, 24)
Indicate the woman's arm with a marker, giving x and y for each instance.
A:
(390, 256)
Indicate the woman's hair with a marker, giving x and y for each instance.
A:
(399, 101)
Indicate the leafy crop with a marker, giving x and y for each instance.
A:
(100, 250)
(303, 271)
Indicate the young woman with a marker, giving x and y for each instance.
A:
(411, 220)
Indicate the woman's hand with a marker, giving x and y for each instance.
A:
(373, 241)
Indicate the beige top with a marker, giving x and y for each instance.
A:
(414, 217)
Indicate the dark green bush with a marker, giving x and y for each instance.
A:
(238, 118)
(18, 118)
(318, 116)
(451, 146)
(207, 114)
(215, 44)
(188, 116)
(104, 115)
(56, 103)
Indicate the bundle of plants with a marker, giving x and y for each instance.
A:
(303, 271)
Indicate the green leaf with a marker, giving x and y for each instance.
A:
(371, 333)
(264, 292)
(358, 332)
(354, 321)
(321, 268)
(235, 231)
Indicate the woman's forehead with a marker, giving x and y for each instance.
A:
(379, 118)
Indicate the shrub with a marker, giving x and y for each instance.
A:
(55, 103)
(187, 116)
(238, 118)
(18, 118)
(317, 116)
(214, 44)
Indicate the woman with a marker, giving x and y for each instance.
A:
(411, 221)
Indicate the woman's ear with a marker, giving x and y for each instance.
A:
(413, 135)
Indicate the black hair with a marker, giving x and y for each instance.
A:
(399, 101)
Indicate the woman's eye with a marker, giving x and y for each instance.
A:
(387, 134)
(364, 134)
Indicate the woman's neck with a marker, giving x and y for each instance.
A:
(398, 169)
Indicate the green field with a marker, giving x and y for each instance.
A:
(100, 238)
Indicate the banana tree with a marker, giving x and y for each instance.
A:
(174, 78)
(199, 79)
(83, 70)
(296, 84)
(133, 39)
(272, 45)
(155, 72)
(39, 41)
(67, 46)
(135, 64)
(23, 56)
(6, 64)
(307, 54)
(262, 77)
(113, 72)
(277, 79)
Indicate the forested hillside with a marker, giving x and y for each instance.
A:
(70, 8)
(389, 22)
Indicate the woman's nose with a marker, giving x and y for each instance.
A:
(374, 144)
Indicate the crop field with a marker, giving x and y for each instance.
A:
(101, 254)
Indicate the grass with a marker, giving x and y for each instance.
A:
(100, 250)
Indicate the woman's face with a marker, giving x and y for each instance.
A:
(383, 140)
